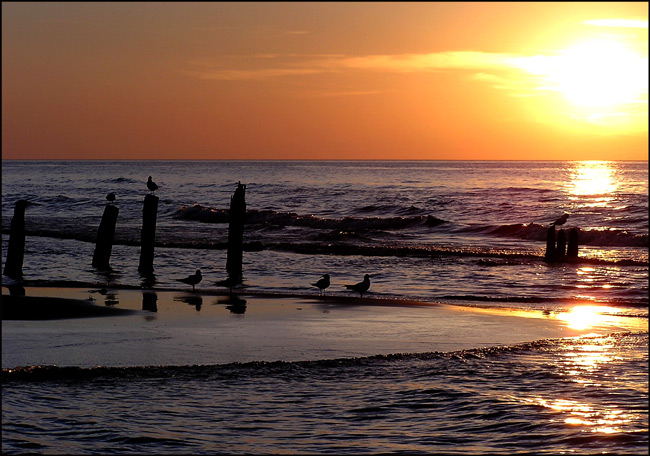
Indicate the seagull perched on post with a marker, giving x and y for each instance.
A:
(111, 197)
(151, 185)
(193, 279)
(561, 220)
(361, 287)
(322, 284)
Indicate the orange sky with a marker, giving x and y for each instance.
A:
(530, 80)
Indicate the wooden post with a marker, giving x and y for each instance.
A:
(236, 234)
(572, 249)
(16, 249)
(550, 244)
(560, 249)
(105, 235)
(148, 234)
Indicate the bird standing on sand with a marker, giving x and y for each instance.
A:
(322, 284)
(561, 220)
(151, 185)
(193, 279)
(110, 197)
(360, 287)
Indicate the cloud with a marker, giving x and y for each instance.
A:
(519, 75)
(250, 75)
(627, 23)
(344, 93)
(259, 67)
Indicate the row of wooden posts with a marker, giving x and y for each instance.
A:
(556, 245)
(106, 234)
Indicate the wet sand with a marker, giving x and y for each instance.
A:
(109, 327)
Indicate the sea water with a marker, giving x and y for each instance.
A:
(452, 231)
(467, 233)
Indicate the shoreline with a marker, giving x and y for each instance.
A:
(147, 327)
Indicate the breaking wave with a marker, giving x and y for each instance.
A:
(262, 369)
(536, 232)
(207, 214)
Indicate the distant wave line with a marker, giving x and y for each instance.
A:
(344, 249)
(254, 217)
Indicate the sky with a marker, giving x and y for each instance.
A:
(331, 80)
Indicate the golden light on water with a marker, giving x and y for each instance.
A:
(591, 178)
(585, 317)
(606, 421)
(582, 362)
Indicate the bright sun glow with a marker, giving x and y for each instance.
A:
(599, 73)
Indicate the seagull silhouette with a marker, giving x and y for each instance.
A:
(111, 197)
(193, 279)
(322, 284)
(360, 287)
(151, 185)
(561, 220)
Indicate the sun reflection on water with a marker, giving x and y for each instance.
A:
(586, 317)
(586, 361)
(607, 420)
(593, 178)
(593, 183)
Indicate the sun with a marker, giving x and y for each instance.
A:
(599, 74)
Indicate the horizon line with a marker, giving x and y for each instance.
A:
(319, 159)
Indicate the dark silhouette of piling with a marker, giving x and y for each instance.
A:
(148, 234)
(560, 248)
(550, 243)
(16, 249)
(572, 249)
(105, 235)
(236, 234)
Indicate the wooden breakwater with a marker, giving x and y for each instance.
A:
(558, 250)
(106, 234)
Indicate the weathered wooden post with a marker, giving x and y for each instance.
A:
(572, 249)
(560, 248)
(550, 244)
(105, 235)
(16, 249)
(148, 234)
(236, 235)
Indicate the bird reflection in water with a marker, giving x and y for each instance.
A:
(110, 299)
(196, 301)
(234, 304)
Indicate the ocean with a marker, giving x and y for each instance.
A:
(454, 232)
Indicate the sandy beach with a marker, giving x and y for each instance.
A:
(138, 328)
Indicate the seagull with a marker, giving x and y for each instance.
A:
(561, 220)
(151, 185)
(193, 279)
(322, 284)
(111, 197)
(361, 287)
